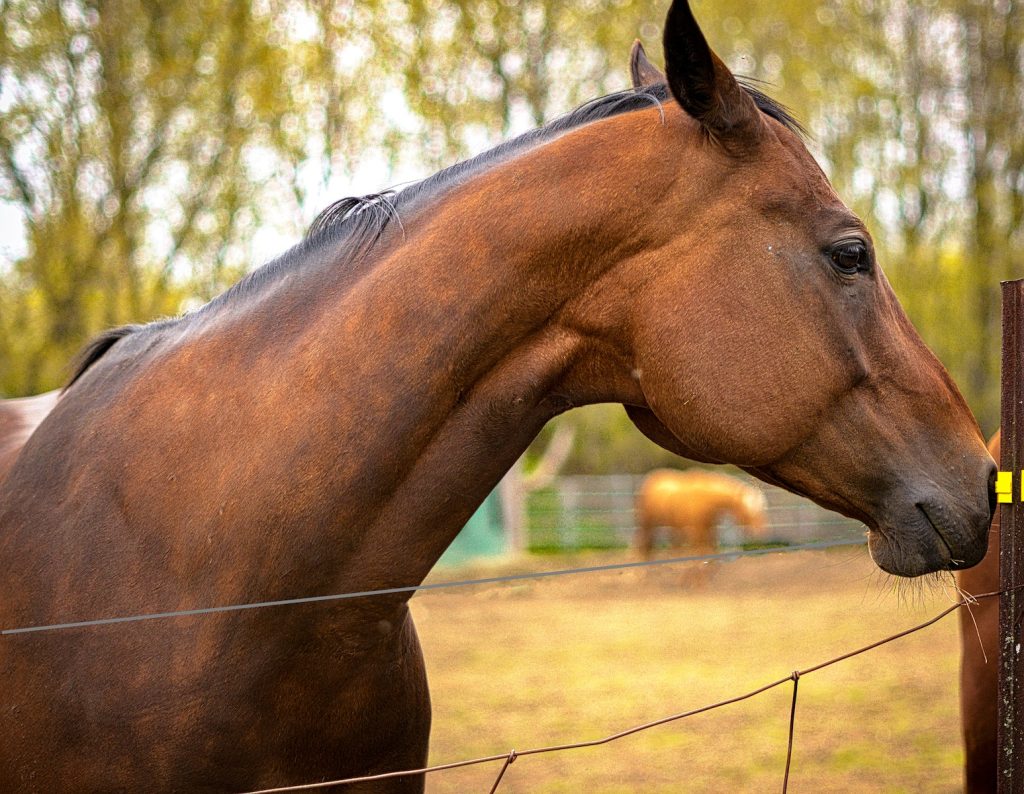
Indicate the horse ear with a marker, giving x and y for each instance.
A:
(702, 84)
(643, 72)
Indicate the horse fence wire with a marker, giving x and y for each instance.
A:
(513, 755)
(618, 566)
(509, 758)
(792, 724)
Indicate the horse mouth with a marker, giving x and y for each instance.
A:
(916, 545)
(941, 534)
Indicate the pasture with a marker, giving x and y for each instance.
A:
(579, 657)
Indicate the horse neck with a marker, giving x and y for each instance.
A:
(744, 511)
(441, 363)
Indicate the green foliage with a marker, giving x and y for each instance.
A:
(143, 145)
(607, 441)
(122, 142)
(553, 530)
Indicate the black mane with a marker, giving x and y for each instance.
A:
(95, 349)
(366, 217)
(355, 224)
(361, 221)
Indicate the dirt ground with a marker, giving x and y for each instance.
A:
(542, 662)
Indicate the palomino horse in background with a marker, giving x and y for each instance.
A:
(18, 420)
(979, 664)
(330, 423)
(690, 504)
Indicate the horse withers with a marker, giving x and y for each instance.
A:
(330, 423)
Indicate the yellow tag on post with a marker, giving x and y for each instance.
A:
(1004, 487)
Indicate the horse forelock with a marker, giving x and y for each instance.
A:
(755, 500)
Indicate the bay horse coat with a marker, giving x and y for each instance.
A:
(330, 423)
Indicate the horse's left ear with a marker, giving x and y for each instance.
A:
(643, 72)
(703, 85)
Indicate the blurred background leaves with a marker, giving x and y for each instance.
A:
(152, 152)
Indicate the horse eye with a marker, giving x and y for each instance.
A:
(850, 258)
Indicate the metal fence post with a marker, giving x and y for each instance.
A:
(1010, 764)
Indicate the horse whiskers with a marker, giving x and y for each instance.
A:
(879, 579)
(969, 601)
(911, 592)
(844, 558)
(902, 586)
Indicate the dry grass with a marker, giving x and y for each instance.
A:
(528, 664)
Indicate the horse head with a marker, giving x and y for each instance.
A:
(798, 363)
(751, 513)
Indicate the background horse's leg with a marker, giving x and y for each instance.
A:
(690, 539)
(705, 541)
(644, 540)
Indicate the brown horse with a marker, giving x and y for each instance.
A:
(18, 420)
(690, 504)
(329, 424)
(979, 664)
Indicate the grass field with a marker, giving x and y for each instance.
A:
(558, 660)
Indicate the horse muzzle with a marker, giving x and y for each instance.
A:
(933, 530)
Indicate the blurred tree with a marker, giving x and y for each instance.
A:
(102, 104)
(928, 147)
(146, 146)
(991, 41)
(133, 140)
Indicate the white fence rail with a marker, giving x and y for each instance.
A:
(596, 511)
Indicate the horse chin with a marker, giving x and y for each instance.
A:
(910, 551)
(929, 534)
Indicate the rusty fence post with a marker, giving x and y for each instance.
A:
(1010, 732)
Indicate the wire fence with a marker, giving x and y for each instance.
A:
(597, 511)
(510, 757)
(724, 555)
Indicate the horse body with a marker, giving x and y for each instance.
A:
(325, 512)
(979, 664)
(339, 486)
(329, 425)
(690, 504)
